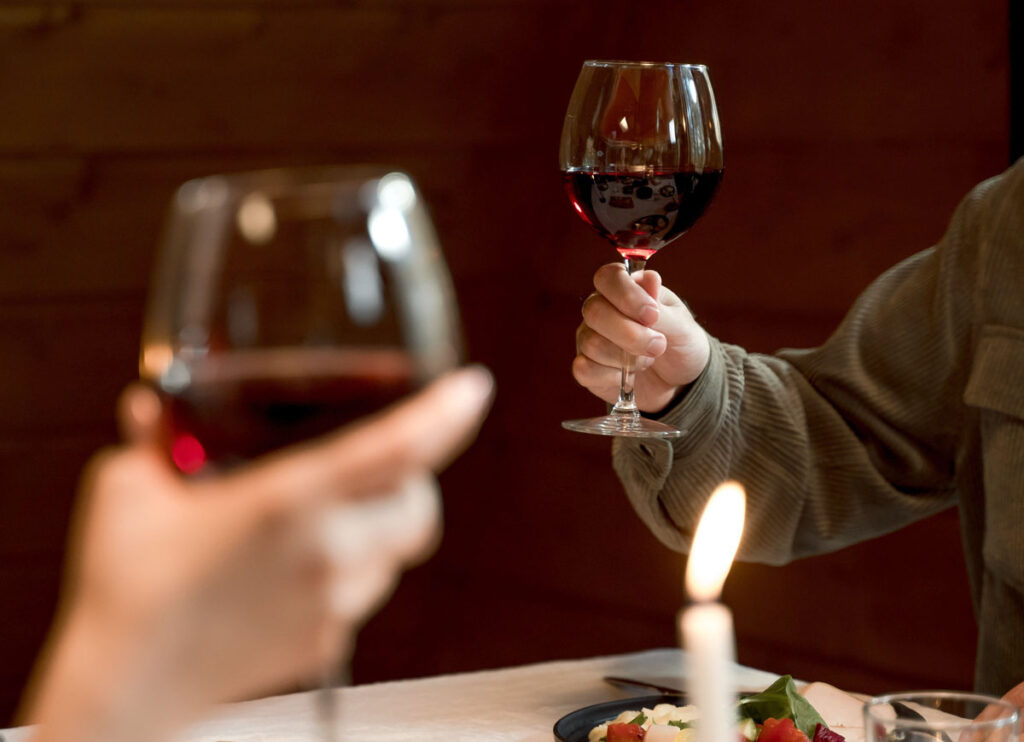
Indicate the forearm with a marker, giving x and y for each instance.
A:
(98, 683)
(840, 443)
(813, 484)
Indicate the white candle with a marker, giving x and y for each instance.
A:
(708, 636)
(706, 625)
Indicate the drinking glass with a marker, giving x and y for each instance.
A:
(940, 716)
(641, 159)
(287, 303)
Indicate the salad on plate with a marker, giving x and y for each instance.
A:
(779, 713)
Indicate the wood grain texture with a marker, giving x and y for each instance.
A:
(851, 133)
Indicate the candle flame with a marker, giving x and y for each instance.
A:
(715, 542)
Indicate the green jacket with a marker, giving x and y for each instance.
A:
(915, 404)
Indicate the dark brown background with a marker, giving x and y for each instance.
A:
(851, 130)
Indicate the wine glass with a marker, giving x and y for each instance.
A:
(287, 303)
(641, 159)
(940, 716)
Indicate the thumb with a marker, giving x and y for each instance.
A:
(138, 414)
(421, 433)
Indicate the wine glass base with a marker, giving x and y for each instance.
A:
(623, 426)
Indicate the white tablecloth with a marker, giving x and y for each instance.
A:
(518, 704)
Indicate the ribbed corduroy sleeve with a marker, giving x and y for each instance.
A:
(837, 444)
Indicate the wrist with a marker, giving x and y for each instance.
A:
(677, 397)
(99, 681)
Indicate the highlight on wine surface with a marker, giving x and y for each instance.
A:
(641, 160)
(287, 303)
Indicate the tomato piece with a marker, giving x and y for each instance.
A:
(624, 733)
(780, 730)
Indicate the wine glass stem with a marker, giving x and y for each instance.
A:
(328, 703)
(625, 405)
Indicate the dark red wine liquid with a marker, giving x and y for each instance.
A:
(641, 213)
(237, 408)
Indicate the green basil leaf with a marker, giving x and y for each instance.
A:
(781, 700)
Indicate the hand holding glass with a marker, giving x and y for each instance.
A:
(288, 303)
(641, 157)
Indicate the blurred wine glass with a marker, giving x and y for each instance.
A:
(641, 159)
(287, 303)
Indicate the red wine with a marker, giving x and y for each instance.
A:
(241, 405)
(642, 212)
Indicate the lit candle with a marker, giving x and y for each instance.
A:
(706, 625)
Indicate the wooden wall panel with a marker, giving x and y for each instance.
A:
(63, 364)
(851, 133)
(869, 71)
(89, 227)
(841, 612)
(234, 72)
(30, 589)
(38, 482)
(232, 83)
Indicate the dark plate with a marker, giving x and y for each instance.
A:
(575, 726)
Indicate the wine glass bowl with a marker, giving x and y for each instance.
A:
(641, 159)
(288, 302)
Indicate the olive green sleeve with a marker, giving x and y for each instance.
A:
(837, 444)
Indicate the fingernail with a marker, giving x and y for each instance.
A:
(479, 382)
(649, 314)
(656, 346)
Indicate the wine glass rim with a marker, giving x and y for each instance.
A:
(302, 173)
(1012, 712)
(641, 63)
(215, 190)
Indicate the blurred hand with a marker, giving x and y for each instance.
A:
(184, 593)
(637, 315)
(1016, 696)
(992, 712)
